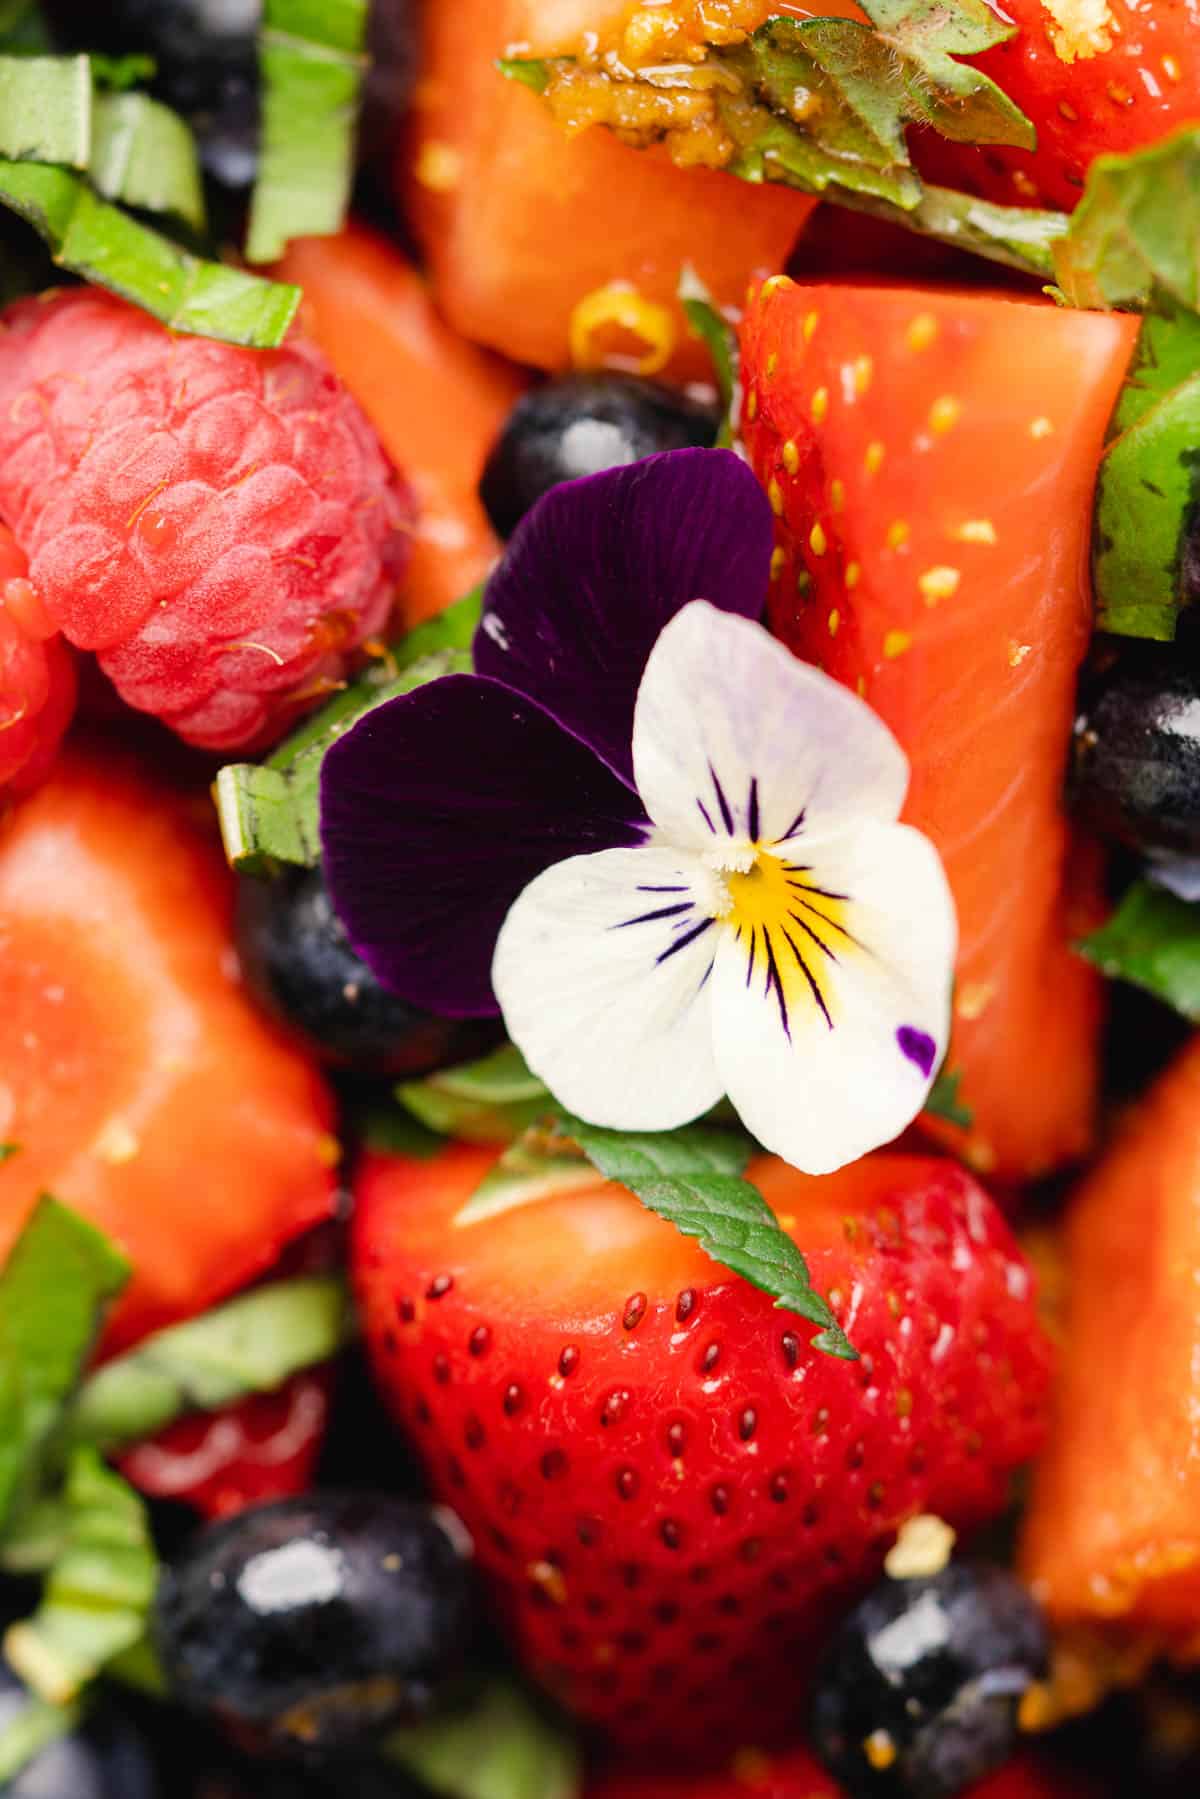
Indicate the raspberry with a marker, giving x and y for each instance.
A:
(37, 676)
(220, 525)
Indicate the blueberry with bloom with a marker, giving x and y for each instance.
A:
(663, 848)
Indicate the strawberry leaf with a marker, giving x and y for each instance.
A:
(693, 1178)
(1153, 941)
(1132, 238)
(1149, 484)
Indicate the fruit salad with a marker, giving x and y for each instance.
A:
(599, 899)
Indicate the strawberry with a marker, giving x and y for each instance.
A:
(931, 458)
(1113, 1531)
(670, 1491)
(262, 1448)
(137, 1082)
(1093, 76)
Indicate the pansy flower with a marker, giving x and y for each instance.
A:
(664, 849)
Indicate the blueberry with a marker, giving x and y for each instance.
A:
(918, 1693)
(104, 1759)
(315, 1622)
(1136, 764)
(578, 425)
(297, 962)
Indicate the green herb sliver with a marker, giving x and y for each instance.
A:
(311, 66)
(1153, 941)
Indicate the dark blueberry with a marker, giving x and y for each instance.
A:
(1136, 765)
(919, 1690)
(578, 425)
(316, 1622)
(297, 962)
(104, 1759)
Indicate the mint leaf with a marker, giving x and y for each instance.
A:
(23, 30)
(494, 1100)
(99, 1591)
(46, 109)
(33, 1729)
(714, 330)
(943, 1101)
(852, 89)
(823, 105)
(269, 811)
(311, 68)
(498, 1745)
(252, 1344)
(1149, 482)
(536, 1166)
(95, 239)
(1132, 238)
(1153, 941)
(120, 73)
(693, 1178)
(144, 155)
(532, 72)
(54, 1290)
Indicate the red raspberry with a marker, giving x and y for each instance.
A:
(219, 524)
(37, 676)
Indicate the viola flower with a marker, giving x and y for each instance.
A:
(664, 848)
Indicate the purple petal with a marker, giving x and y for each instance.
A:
(600, 565)
(918, 1046)
(437, 809)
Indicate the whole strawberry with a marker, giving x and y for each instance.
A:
(220, 525)
(671, 1492)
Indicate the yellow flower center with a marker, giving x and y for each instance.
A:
(793, 930)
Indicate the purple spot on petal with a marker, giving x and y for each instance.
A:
(918, 1046)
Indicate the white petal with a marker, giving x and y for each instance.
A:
(601, 971)
(847, 1071)
(733, 737)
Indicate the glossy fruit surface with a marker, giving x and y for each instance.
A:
(263, 1448)
(436, 401)
(297, 961)
(317, 1621)
(1113, 76)
(1127, 1394)
(931, 458)
(137, 1080)
(917, 1694)
(1136, 766)
(669, 1490)
(104, 1758)
(520, 223)
(579, 425)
